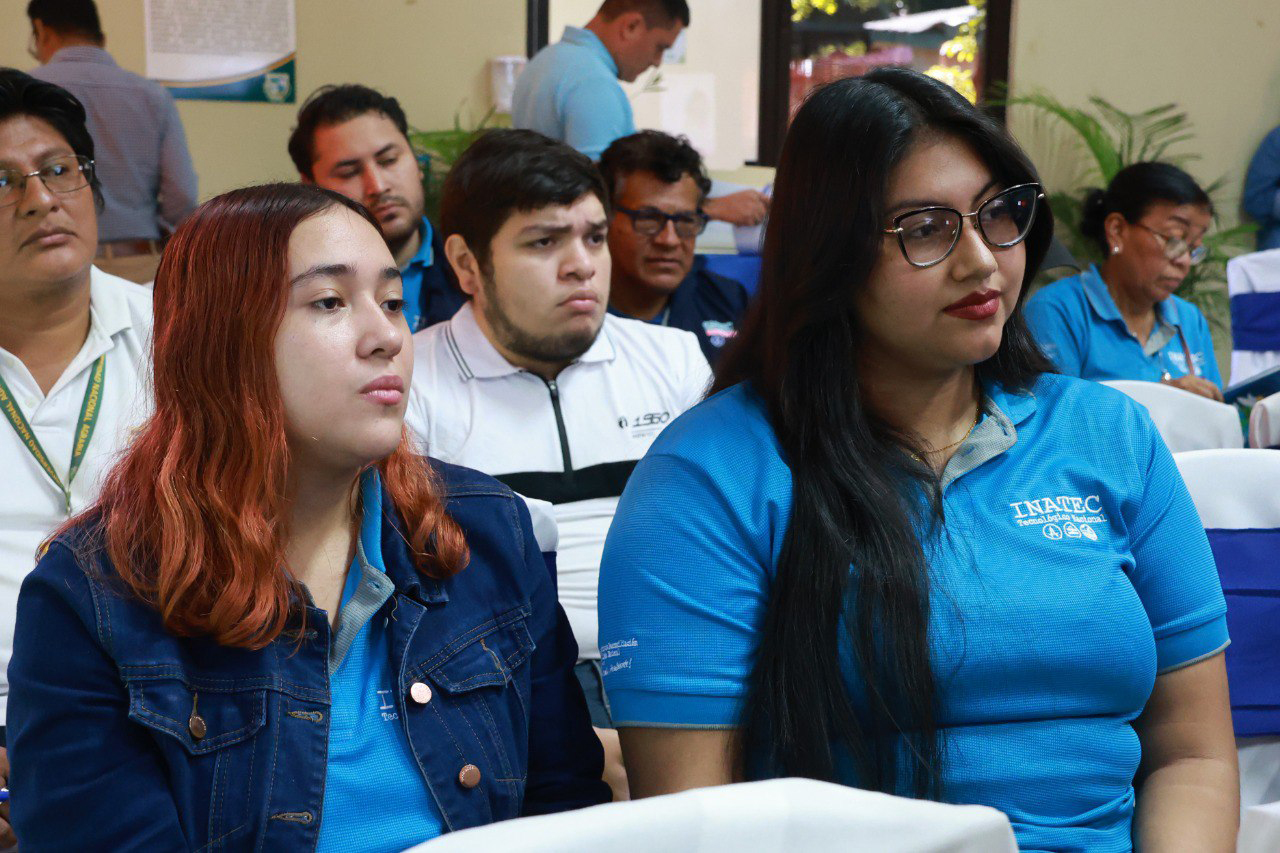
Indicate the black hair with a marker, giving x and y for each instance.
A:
(506, 171)
(657, 13)
(330, 105)
(1132, 192)
(22, 94)
(78, 17)
(668, 157)
(855, 480)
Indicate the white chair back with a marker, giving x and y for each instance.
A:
(1253, 282)
(1186, 421)
(776, 816)
(1236, 495)
(1264, 423)
(1260, 829)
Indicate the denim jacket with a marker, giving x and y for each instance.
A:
(106, 754)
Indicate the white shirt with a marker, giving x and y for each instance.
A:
(31, 506)
(572, 441)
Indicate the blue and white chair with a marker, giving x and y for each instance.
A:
(1185, 421)
(1253, 282)
(1237, 493)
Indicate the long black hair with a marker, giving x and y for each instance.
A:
(853, 474)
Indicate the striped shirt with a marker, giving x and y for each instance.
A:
(148, 180)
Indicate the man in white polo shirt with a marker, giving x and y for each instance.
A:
(73, 340)
(531, 381)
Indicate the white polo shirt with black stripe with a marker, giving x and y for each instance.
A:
(572, 441)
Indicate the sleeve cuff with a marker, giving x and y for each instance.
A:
(652, 709)
(1191, 645)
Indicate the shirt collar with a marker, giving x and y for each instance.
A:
(479, 359)
(586, 38)
(426, 255)
(108, 307)
(370, 541)
(82, 53)
(1095, 290)
(994, 433)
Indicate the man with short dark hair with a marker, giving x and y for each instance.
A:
(148, 180)
(570, 90)
(74, 341)
(658, 187)
(355, 140)
(531, 381)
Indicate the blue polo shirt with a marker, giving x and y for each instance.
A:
(1077, 324)
(1072, 569)
(570, 92)
(431, 295)
(709, 305)
(375, 797)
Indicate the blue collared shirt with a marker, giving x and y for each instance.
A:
(148, 180)
(1262, 191)
(430, 293)
(570, 92)
(1070, 571)
(1077, 324)
(374, 794)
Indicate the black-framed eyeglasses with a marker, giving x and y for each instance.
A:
(1176, 247)
(64, 174)
(928, 235)
(651, 222)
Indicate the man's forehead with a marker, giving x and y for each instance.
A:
(358, 137)
(642, 186)
(28, 139)
(586, 210)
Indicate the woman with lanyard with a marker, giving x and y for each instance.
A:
(1121, 320)
(278, 627)
(895, 551)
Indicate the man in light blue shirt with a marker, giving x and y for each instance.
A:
(148, 179)
(570, 90)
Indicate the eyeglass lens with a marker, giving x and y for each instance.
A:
(60, 175)
(1003, 220)
(651, 222)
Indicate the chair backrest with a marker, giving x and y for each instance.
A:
(776, 816)
(1253, 282)
(1264, 423)
(1237, 493)
(1186, 421)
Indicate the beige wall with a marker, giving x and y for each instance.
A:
(431, 54)
(1219, 61)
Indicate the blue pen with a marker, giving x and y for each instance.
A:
(4, 795)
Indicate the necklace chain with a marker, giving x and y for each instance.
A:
(963, 438)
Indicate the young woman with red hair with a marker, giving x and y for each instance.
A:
(279, 628)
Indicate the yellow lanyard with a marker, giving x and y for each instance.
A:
(84, 431)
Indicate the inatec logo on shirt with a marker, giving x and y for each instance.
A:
(1062, 517)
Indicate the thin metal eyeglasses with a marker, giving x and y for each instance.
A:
(64, 174)
(928, 235)
(651, 222)
(1176, 247)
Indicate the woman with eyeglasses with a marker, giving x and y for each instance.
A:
(1120, 319)
(893, 549)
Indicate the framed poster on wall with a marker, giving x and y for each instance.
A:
(223, 50)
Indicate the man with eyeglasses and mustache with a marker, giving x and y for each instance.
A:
(354, 140)
(658, 186)
(73, 340)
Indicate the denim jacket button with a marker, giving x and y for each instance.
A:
(420, 692)
(469, 776)
(195, 724)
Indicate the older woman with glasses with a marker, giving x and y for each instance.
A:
(896, 551)
(1120, 320)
